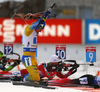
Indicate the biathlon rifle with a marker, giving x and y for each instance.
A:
(71, 63)
(91, 63)
(65, 66)
(8, 60)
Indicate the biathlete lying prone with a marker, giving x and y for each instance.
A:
(11, 62)
(85, 80)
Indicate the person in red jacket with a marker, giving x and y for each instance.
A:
(49, 69)
(54, 68)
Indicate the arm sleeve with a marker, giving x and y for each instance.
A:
(46, 15)
(11, 67)
(34, 25)
(44, 71)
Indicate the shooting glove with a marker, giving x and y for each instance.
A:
(17, 62)
(59, 68)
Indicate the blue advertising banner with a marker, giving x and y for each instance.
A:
(92, 31)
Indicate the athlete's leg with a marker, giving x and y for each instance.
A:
(32, 67)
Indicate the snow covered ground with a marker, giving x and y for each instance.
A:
(8, 87)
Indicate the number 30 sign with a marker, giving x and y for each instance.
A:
(90, 54)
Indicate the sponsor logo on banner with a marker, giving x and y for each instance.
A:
(11, 30)
(61, 31)
(55, 31)
(93, 31)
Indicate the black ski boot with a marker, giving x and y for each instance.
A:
(17, 78)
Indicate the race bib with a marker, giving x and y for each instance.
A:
(28, 61)
(17, 73)
(83, 80)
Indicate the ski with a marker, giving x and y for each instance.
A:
(5, 79)
(33, 84)
(71, 85)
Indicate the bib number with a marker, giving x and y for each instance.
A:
(83, 80)
(28, 61)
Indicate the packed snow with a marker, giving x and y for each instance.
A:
(8, 87)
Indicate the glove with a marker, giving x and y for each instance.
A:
(96, 86)
(59, 68)
(17, 62)
(26, 16)
(53, 5)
